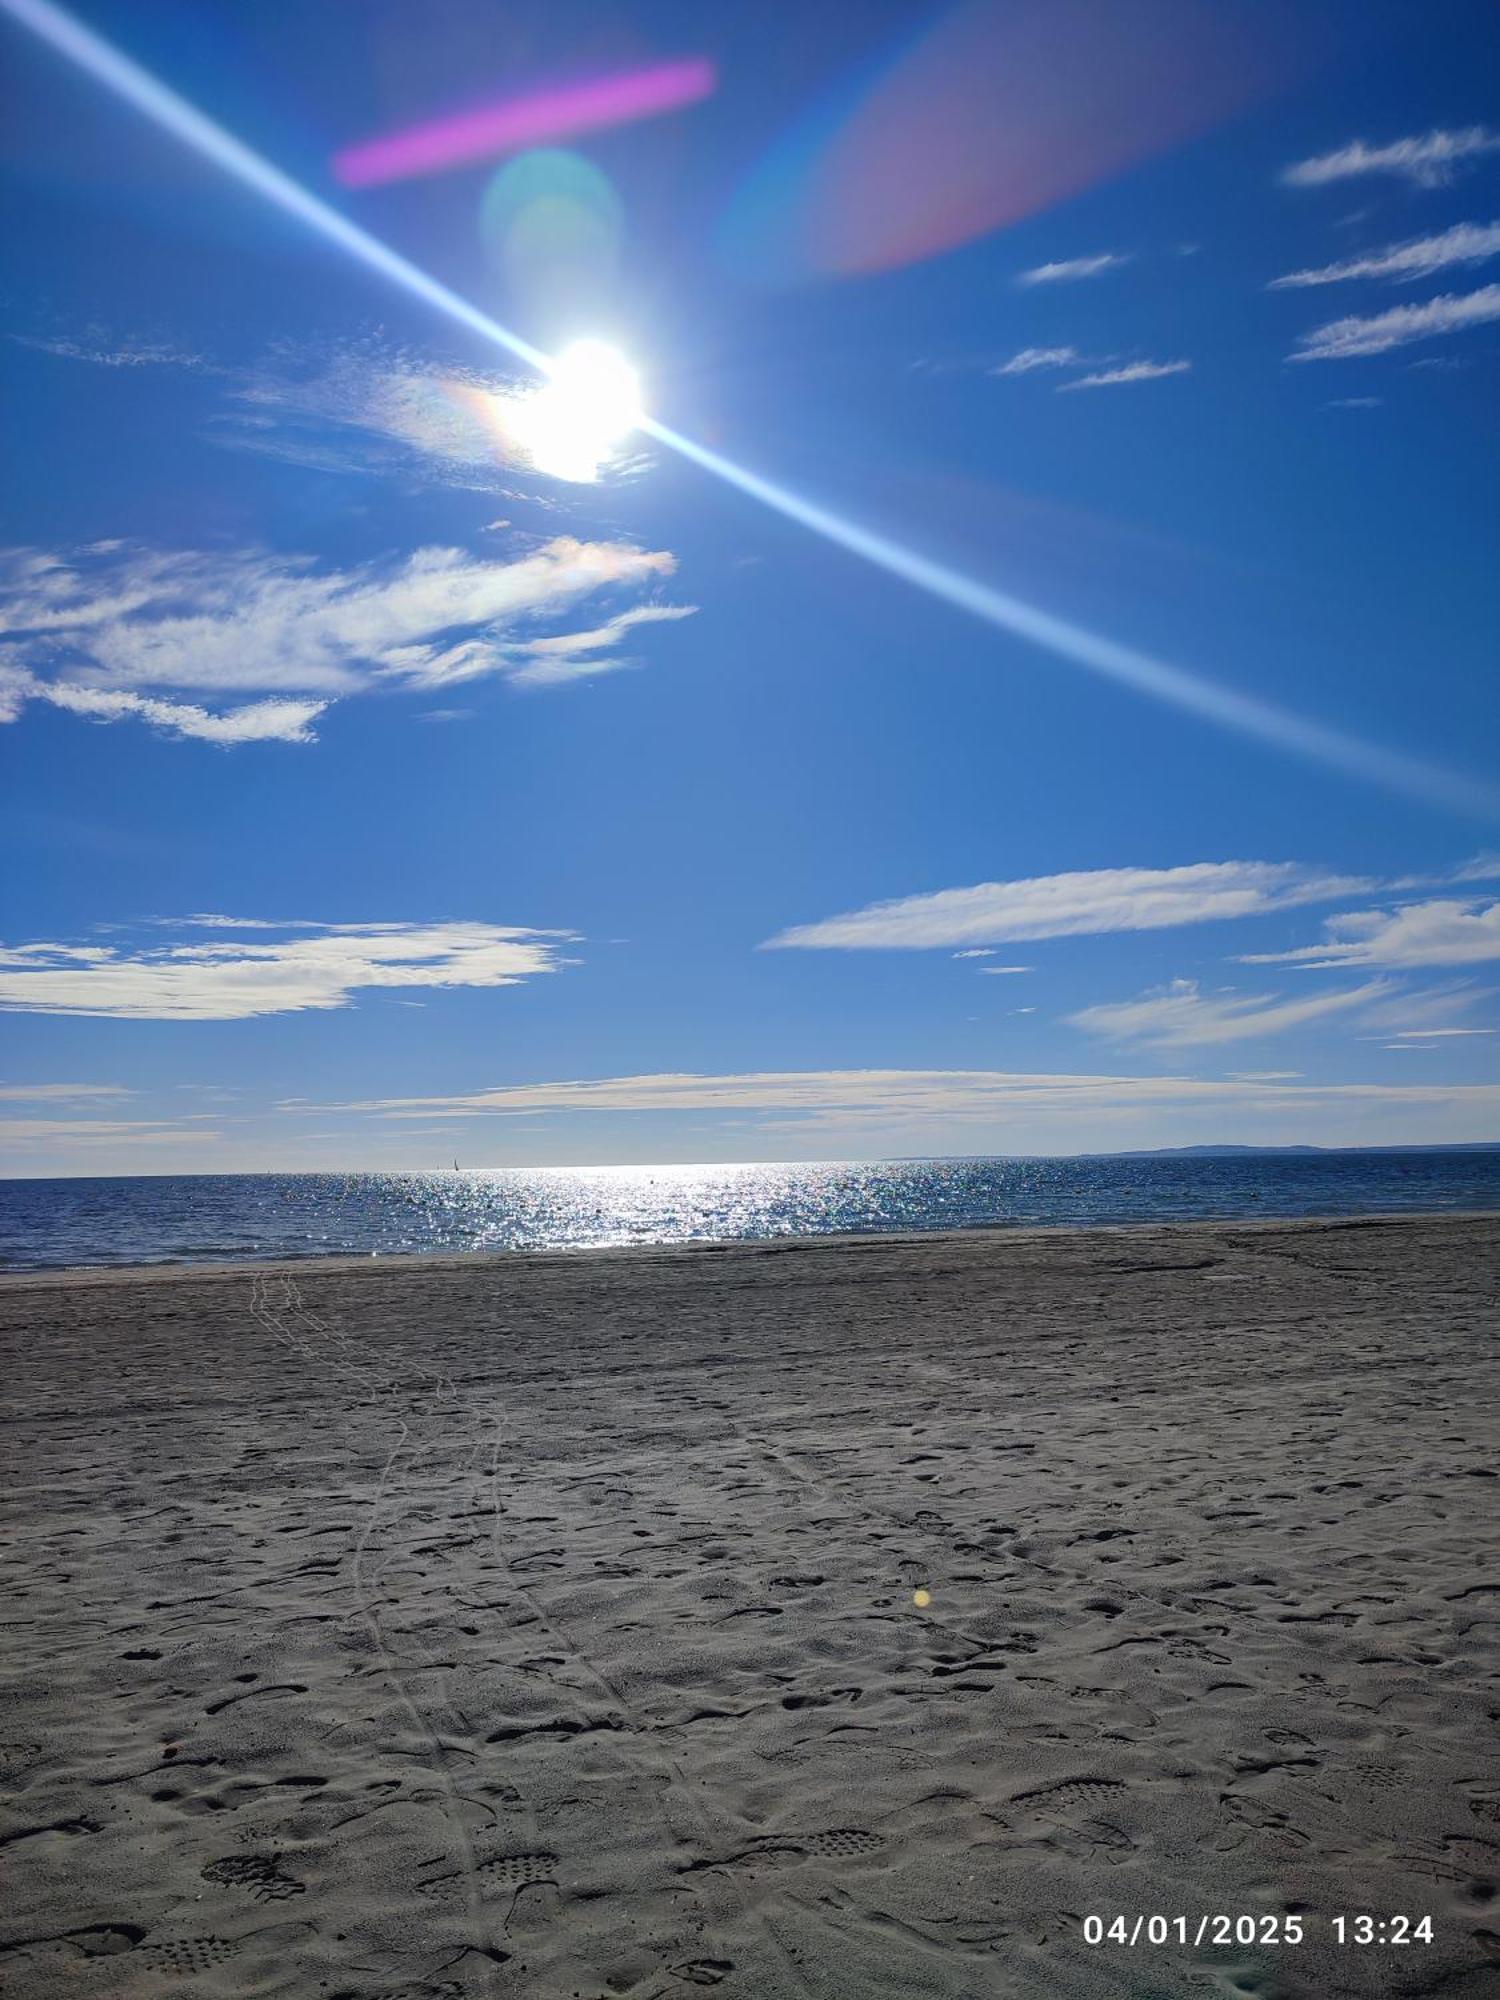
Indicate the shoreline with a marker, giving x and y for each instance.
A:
(338, 1261)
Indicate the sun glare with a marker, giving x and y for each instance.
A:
(588, 406)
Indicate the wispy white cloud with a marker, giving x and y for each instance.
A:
(1072, 268)
(1430, 160)
(866, 1111)
(1031, 358)
(1088, 902)
(573, 656)
(999, 971)
(1418, 257)
(1348, 338)
(60, 1093)
(1182, 1015)
(252, 722)
(1425, 1010)
(214, 981)
(360, 406)
(92, 631)
(1437, 1034)
(1129, 371)
(1440, 932)
(95, 344)
(72, 1132)
(363, 406)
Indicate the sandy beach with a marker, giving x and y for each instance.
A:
(822, 1619)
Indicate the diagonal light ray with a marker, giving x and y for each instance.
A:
(1100, 654)
(127, 79)
(1094, 651)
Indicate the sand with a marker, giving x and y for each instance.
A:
(550, 1625)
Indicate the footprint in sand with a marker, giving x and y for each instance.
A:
(1070, 1793)
(1093, 1840)
(1253, 1819)
(516, 1869)
(16, 1758)
(841, 1843)
(186, 1956)
(511, 1871)
(261, 1874)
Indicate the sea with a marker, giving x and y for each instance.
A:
(218, 1218)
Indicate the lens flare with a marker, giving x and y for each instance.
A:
(516, 123)
(551, 225)
(1094, 651)
(991, 112)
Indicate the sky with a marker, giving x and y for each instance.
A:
(594, 583)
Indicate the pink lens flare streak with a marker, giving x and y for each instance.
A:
(563, 113)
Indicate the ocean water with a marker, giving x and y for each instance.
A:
(47, 1224)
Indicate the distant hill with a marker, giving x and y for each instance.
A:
(1229, 1152)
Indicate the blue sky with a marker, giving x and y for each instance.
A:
(376, 795)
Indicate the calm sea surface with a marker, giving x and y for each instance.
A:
(208, 1218)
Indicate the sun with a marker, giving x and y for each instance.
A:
(588, 406)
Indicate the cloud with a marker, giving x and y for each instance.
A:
(1089, 902)
(1429, 161)
(98, 1131)
(60, 1093)
(362, 406)
(1440, 932)
(998, 971)
(1464, 243)
(1030, 358)
(90, 632)
(366, 407)
(1452, 312)
(1436, 1034)
(1181, 1015)
(253, 722)
(215, 981)
(1131, 371)
(574, 655)
(95, 345)
(1073, 268)
(1027, 1112)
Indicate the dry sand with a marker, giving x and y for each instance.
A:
(547, 1626)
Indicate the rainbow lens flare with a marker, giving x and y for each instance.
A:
(516, 123)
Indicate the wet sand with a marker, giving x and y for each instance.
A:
(840, 1619)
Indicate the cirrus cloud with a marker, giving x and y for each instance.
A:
(1440, 932)
(869, 1111)
(1182, 1015)
(101, 630)
(1129, 371)
(1464, 243)
(1071, 269)
(1376, 333)
(322, 966)
(1430, 160)
(1084, 903)
(1029, 359)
